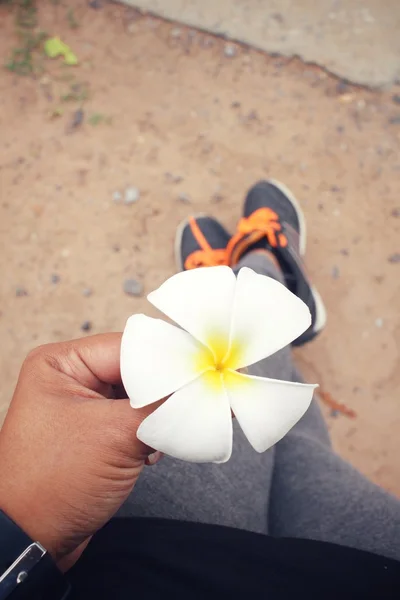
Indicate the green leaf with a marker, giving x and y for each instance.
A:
(70, 58)
(54, 47)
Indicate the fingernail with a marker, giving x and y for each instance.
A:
(153, 458)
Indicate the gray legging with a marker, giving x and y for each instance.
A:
(299, 488)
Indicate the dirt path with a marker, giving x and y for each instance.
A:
(190, 125)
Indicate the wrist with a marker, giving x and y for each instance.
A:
(37, 526)
(26, 569)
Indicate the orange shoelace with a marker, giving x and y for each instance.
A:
(207, 256)
(263, 222)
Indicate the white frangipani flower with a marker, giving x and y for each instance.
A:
(227, 324)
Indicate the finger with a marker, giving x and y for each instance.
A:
(93, 362)
(154, 458)
(101, 354)
(127, 420)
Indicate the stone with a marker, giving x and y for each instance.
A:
(133, 287)
(55, 278)
(117, 197)
(21, 291)
(394, 258)
(77, 119)
(335, 272)
(396, 98)
(87, 292)
(86, 326)
(176, 32)
(379, 322)
(173, 178)
(395, 212)
(184, 198)
(132, 195)
(230, 50)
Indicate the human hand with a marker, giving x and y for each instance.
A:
(69, 455)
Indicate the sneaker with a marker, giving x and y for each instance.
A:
(273, 220)
(200, 242)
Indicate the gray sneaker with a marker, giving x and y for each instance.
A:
(273, 220)
(200, 241)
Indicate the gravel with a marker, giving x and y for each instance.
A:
(86, 326)
(55, 278)
(21, 291)
(394, 258)
(335, 272)
(133, 287)
(117, 197)
(230, 51)
(87, 292)
(184, 198)
(176, 32)
(132, 195)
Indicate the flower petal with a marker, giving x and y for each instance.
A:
(201, 302)
(266, 408)
(266, 317)
(194, 424)
(157, 358)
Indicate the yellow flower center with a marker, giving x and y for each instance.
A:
(218, 361)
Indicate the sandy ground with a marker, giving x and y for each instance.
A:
(169, 113)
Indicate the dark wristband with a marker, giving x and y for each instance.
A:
(26, 568)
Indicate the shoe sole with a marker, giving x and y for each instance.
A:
(299, 212)
(320, 310)
(178, 241)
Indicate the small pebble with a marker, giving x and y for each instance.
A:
(344, 252)
(176, 32)
(55, 278)
(117, 197)
(133, 287)
(394, 258)
(132, 195)
(230, 50)
(342, 87)
(87, 292)
(21, 291)
(395, 212)
(217, 198)
(235, 104)
(77, 119)
(334, 413)
(172, 178)
(335, 272)
(206, 42)
(396, 98)
(394, 120)
(116, 247)
(379, 322)
(86, 326)
(184, 198)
